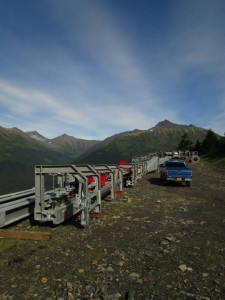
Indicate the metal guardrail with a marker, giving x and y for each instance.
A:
(16, 206)
(74, 190)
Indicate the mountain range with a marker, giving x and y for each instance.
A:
(20, 151)
(164, 136)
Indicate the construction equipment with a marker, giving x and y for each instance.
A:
(63, 191)
(79, 190)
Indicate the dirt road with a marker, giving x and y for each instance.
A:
(160, 242)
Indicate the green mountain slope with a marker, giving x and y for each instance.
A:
(17, 146)
(71, 146)
(164, 136)
(20, 152)
(15, 176)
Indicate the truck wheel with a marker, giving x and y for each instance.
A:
(188, 183)
(164, 181)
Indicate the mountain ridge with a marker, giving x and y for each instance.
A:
(164, 136)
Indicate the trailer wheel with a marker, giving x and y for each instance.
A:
(164, 181)
(188, 183)
(195, 159)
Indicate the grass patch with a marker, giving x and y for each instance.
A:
(216, 163)
(7, 244)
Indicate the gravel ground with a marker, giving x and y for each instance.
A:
(157, 242)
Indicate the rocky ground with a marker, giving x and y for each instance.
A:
(160, 242)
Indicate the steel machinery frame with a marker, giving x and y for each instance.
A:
(79, 190)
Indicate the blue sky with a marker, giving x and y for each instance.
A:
(94, 68)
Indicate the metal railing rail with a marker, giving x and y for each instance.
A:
(16, 206)
(152, 164)
(73, 189)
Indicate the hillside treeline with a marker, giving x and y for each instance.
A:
(213, 144)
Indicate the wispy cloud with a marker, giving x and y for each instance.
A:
(90, 75)
(34, 109)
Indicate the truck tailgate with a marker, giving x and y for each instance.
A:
(179, 173)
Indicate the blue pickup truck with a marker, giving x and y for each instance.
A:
(175, 171)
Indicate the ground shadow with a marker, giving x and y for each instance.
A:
(158, 181)
(155, 181)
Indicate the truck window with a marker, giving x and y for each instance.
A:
(175, 165)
